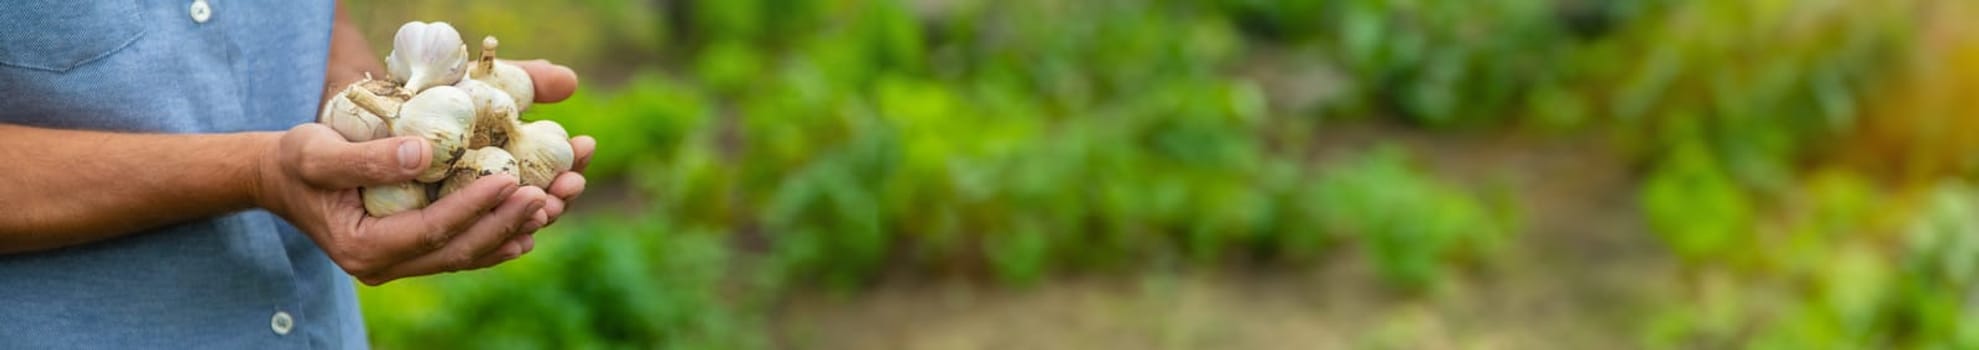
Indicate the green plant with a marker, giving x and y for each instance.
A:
(1410, 224)
(608, 284)
(1698, 210)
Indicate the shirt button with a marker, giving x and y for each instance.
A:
(282, 323)
(201, 11)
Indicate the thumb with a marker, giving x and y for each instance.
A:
(339, 164)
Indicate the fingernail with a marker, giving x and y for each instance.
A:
(409, 154)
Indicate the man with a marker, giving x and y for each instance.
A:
(149, 199)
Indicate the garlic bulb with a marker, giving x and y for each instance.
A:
(393, 199)
(468, 110)
(542, 149)
(502, 75)
(364, 110)
(494, 114)
(485, 161)
(425, 55)
(443, 115)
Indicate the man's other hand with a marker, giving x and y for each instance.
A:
(312, 179)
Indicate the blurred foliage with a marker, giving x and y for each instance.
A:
(1447, 62)
(1843, 273)
(628, 285)
(769, 145)
(1410, 224)
(1699, 210)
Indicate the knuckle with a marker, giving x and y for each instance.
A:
(434, 239)
(309, 163)
(376, 171)
(554, 206)
(459, 261)
(509, 230)
(290, 156)
(433, 233)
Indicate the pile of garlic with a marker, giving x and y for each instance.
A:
(468, 110)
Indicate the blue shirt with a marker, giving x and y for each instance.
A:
(244, 280)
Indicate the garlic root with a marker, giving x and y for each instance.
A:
(495, 113)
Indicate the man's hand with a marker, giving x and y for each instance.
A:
(555, 83)
(312, 179)
(446, 236)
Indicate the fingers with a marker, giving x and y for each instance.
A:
(541, 217)
(552, 209)
(322, 158)
(563, 191)
(397, 238)
(553, 82)
(468, 249)
(515, 248)
(582, 146)
(568, 186)
(508, 251)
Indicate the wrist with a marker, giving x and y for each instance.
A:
(261, 170)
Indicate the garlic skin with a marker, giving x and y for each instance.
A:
(395, 198)
(495, 114)
(542, 149)
(485, 161)
(425, 55)
(364, 110)
(502, 75)
(443, 115)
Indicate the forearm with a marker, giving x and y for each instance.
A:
(66, 187)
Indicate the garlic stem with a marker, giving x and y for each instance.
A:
(487, 63)
(372, 103)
